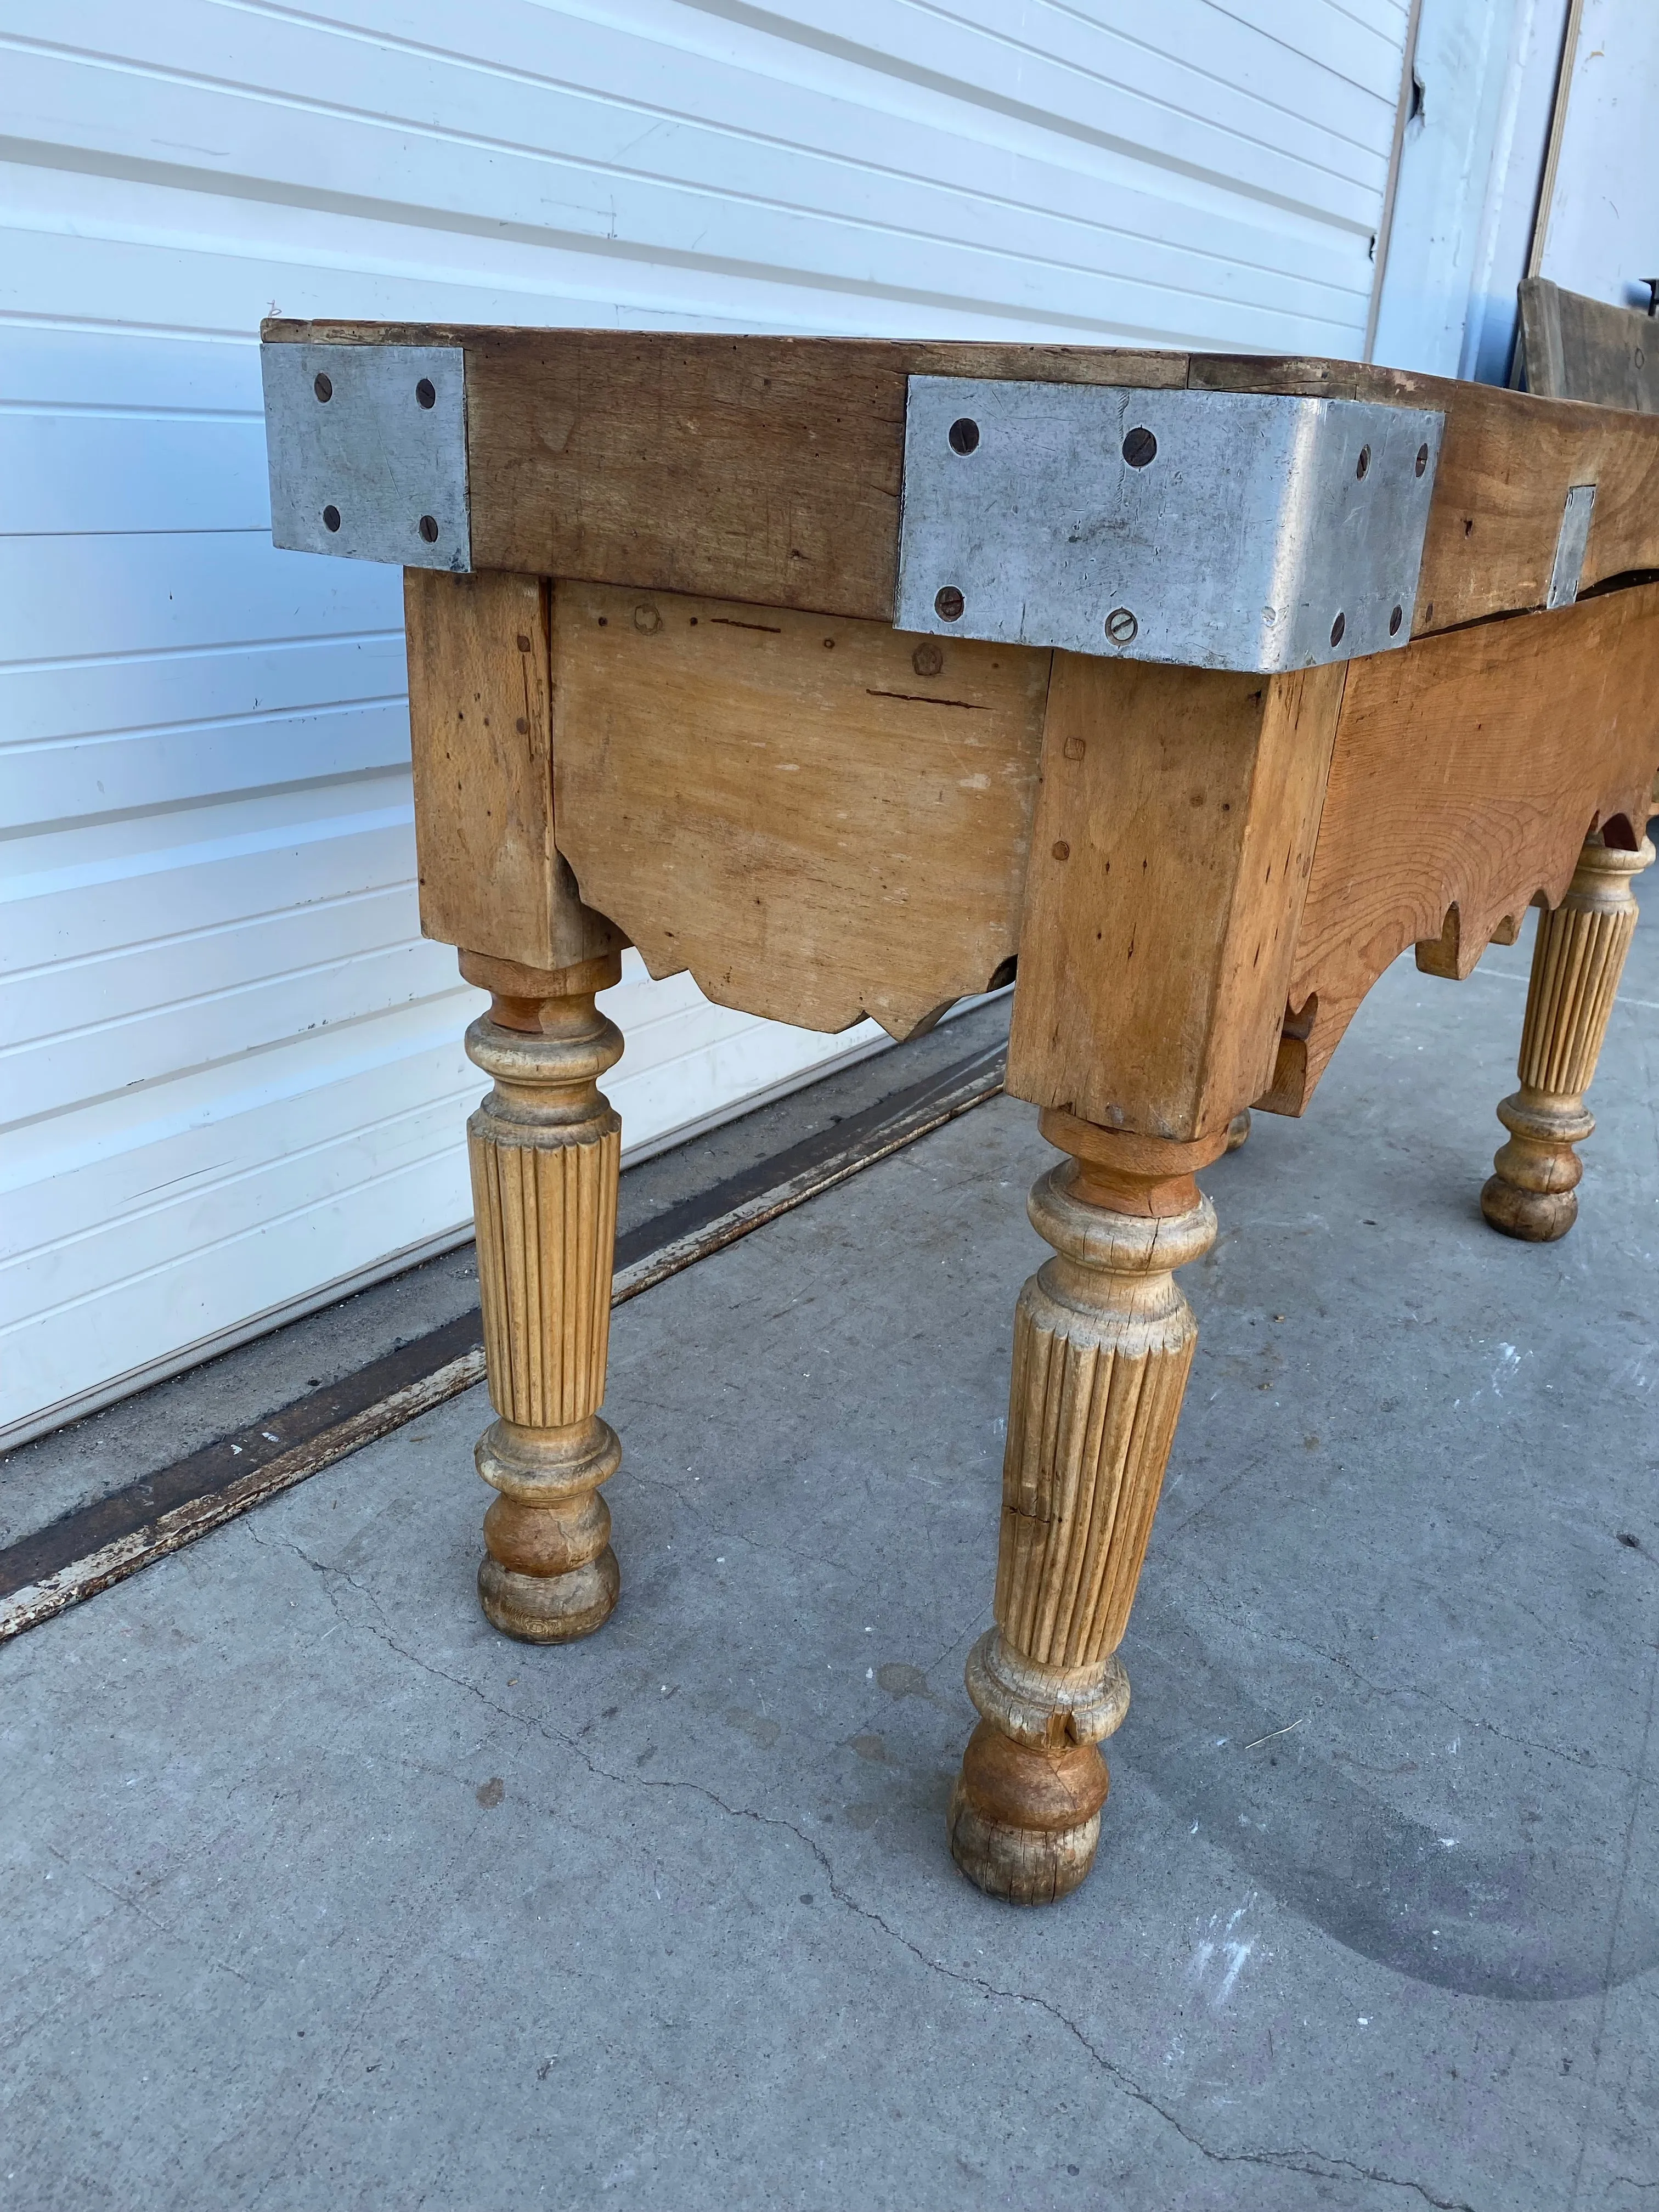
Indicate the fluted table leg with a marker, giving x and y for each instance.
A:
(545, 1148)
(1102, 1343)
(1577, 959)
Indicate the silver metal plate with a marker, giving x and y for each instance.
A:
(1213, 529)
(367, 451)
(1571, 540)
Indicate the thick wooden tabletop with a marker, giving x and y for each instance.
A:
(769, 469)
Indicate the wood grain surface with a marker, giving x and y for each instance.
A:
(545, 1149)
(1173, 832)
(1578, 960)
(1104, 1343)
(768, 469)
(480, 719)
(819, 819)
(1467, 772)
(1577, 348)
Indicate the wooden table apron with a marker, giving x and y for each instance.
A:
(669, 709)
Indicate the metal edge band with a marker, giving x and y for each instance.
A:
(367, 452)
(1250, 530)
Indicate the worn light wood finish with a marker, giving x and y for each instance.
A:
(1573, 348)
(545, 1149)
(705, 731)
(480, 716)
(1450, 956)
(1175, 830)
(1465, 775)
(768, 469)
(1103, 1341)
(820, 819)
(1577, 961)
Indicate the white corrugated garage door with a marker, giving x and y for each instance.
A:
(233, 1075)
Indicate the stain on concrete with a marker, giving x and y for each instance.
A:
(902, 1681)
(872, 1747)
(754, 1726)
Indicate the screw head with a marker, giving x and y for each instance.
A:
(948, 603)
(1394, 621)
(424, 392)
(1122, 627)
(331, 518)
(429, 528)
(1422, 458)
(1362, 466)
(323, 386)
(1139, 447)
(1337, 628)
(963, 435)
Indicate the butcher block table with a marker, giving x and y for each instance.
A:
(855, 678)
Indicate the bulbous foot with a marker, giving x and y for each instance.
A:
(548, 1575)
(1024, 1823)
(1535, 1217)
(1533, 1193)
(1238, 1130)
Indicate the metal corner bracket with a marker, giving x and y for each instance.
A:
(367, 451)
(1251, 531)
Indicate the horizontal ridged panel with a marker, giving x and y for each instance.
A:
(566, 129)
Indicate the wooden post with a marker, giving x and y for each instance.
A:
(1577, 958)
(1102, 1343)
(545, 1147)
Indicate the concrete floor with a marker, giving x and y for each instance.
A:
(317, 1892)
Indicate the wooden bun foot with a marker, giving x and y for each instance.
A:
(548, 1575)
(1024, 1823)
(1239, 1129)
(1533, 1195)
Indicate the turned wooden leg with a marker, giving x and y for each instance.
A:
(1577, 961)
(545, 1147)
(1103, 1342)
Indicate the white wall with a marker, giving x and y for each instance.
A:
(230, 1075)
(1472, 155)
(1600, 233)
